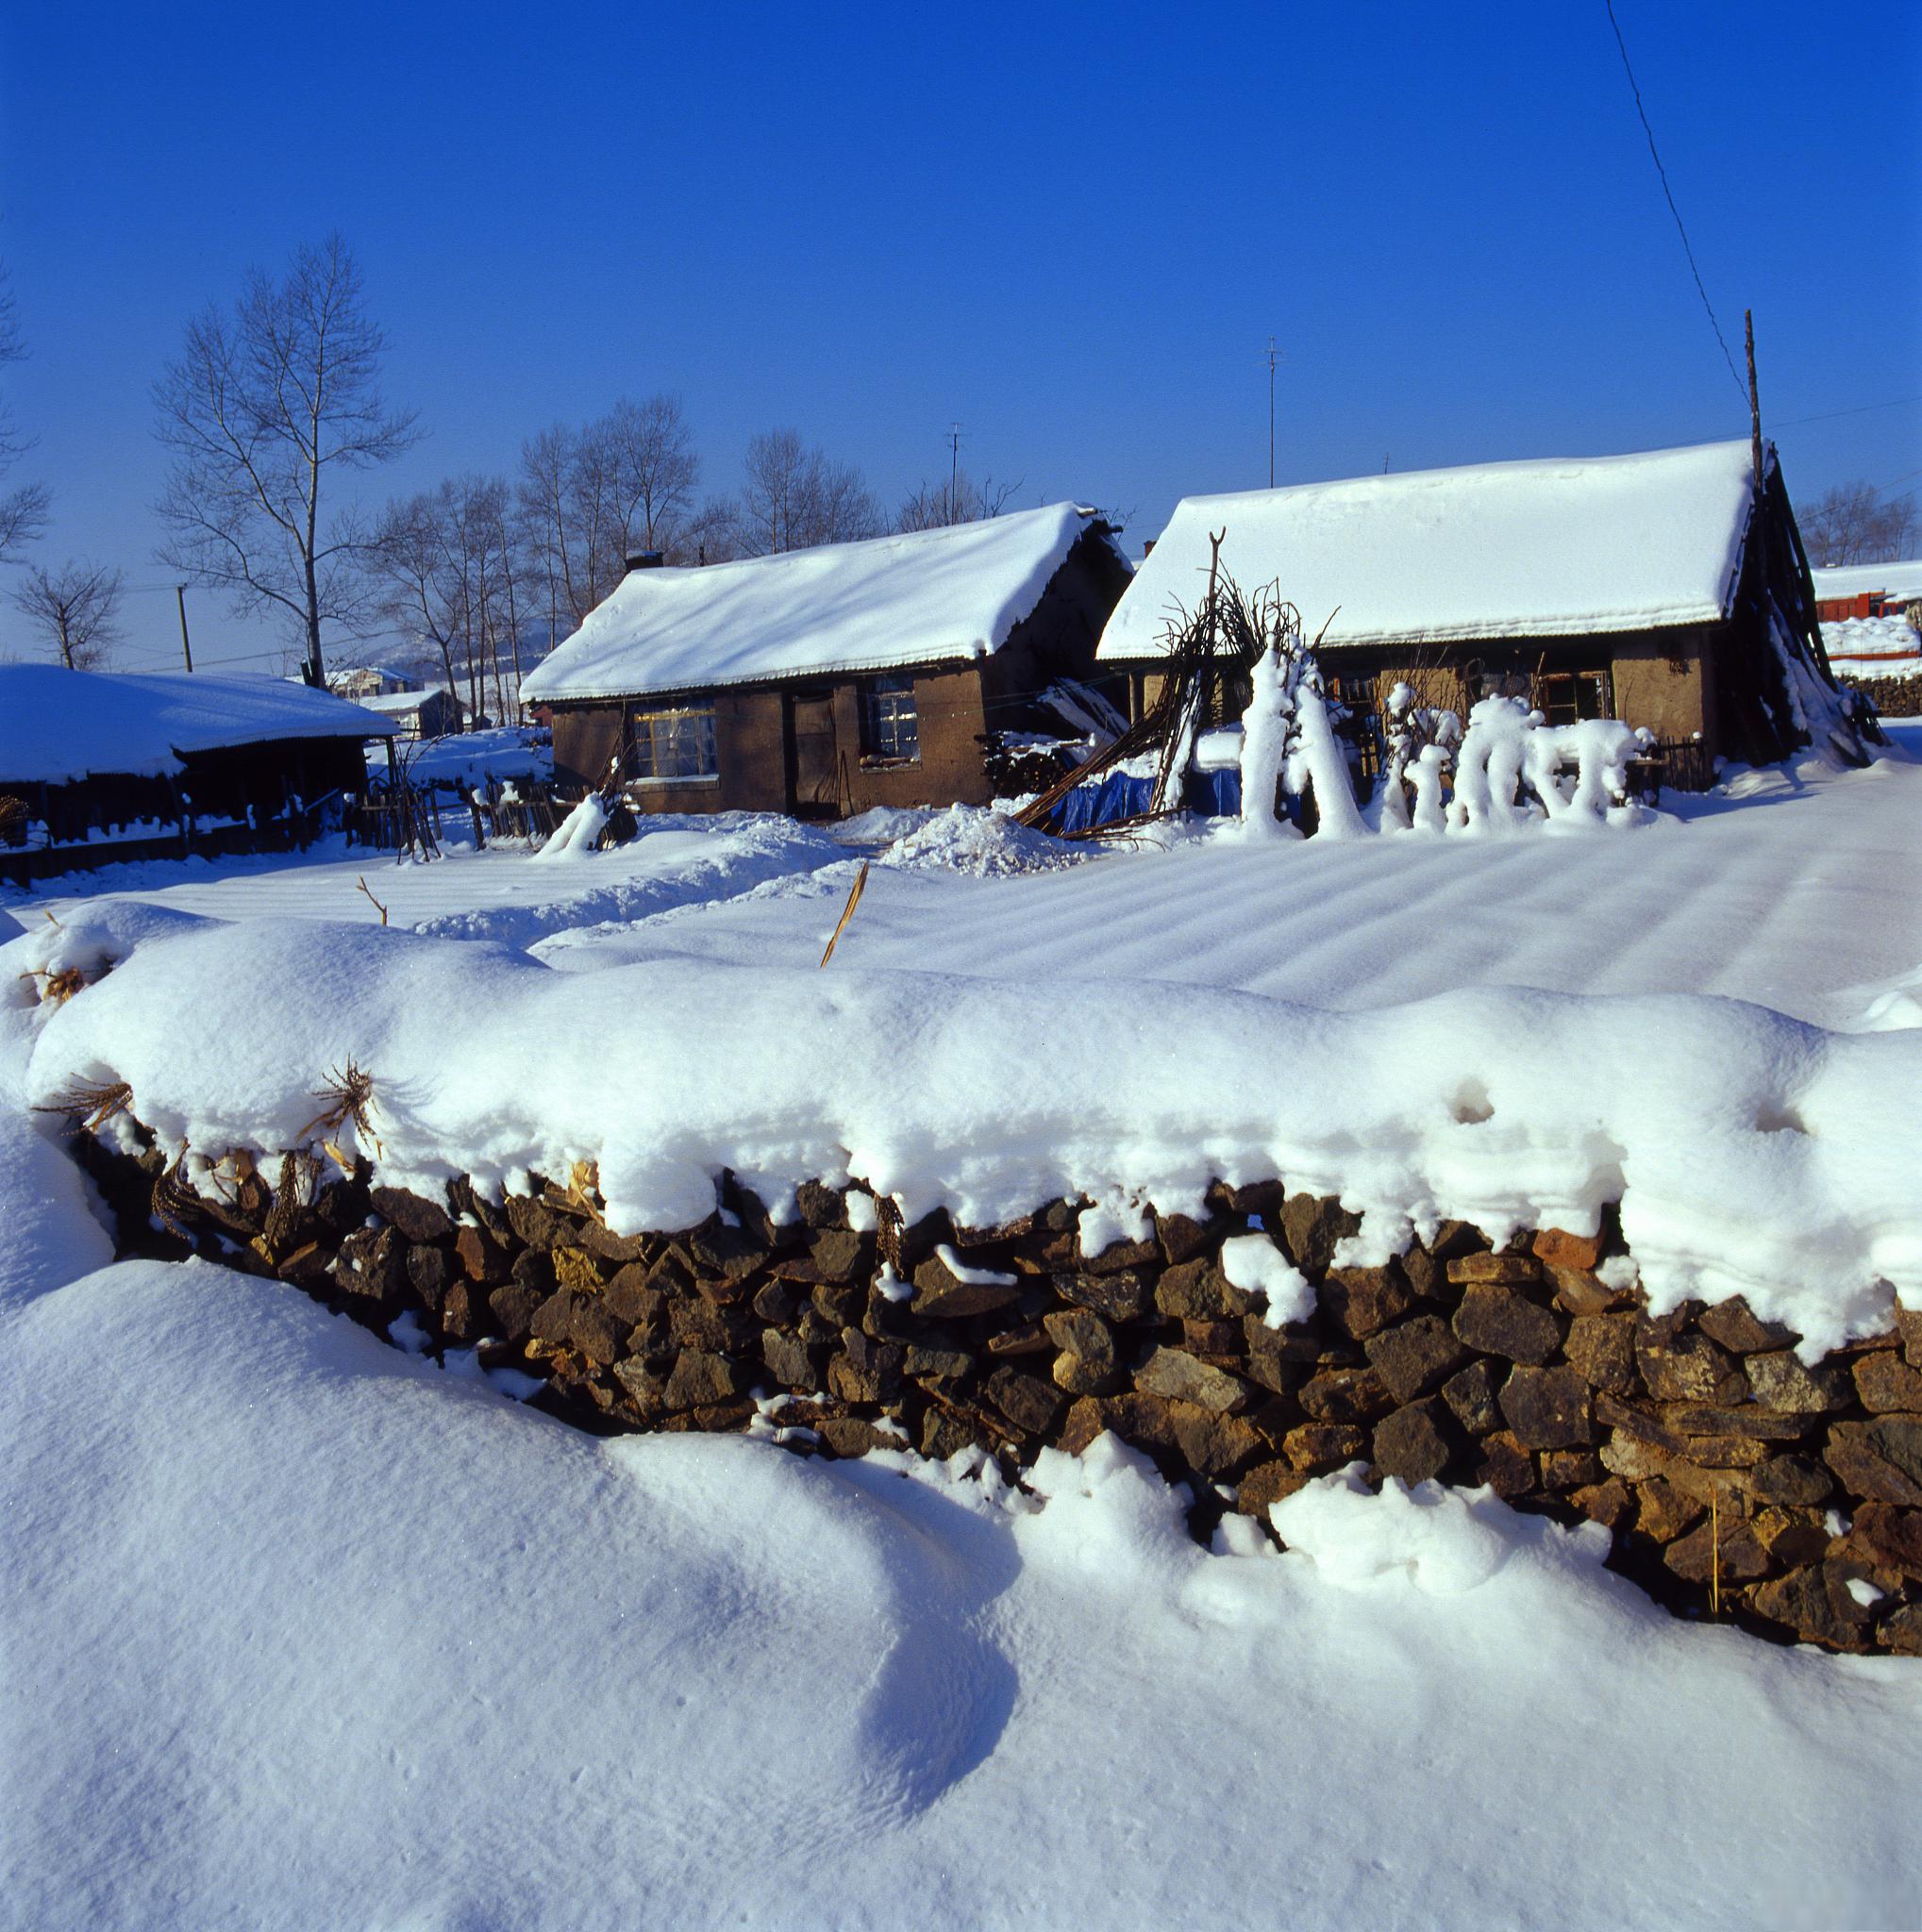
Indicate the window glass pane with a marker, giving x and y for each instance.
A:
(890, 724)
(676, 744)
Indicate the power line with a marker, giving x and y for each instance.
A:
(1669, 196)
(1860, 409)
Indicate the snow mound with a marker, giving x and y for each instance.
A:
(989, 844)
(1750, 1154)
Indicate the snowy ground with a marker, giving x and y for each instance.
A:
(297, 1630)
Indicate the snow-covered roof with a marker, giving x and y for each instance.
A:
(915, 599)
(57, 726)
(1903, 580)
(398, 704)
(1543, 548)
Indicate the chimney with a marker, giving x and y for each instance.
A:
(644, 559)
(1147, 549)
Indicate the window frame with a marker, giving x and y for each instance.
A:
(689, 745)
(890, 717)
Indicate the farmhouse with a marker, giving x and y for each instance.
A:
(1867, 590)
(1668, 589)
(416, 713)
(894, 671)
(98, 767)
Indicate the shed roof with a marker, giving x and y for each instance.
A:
(1903, 580)
(1562, 547)
(398, 704)
(57, 726)
(926, 597)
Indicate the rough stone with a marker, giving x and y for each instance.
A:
(1211, 1338)
(1416, 1356)
(1311, 1228)
(1790, 1480)
(1885, 1383)
(595, 1331)
(866, 1369)
(819, 1206)
(1900, 1630)
(1570, 1468)
(1471, 1395)
(1198, 1290)
(1627, 1455)
(1079, 1377)
(646, 1388)
(1362, 1301)
(697, 1378)
(1505, 1467)
(1318, 1447)
(1031, 1404)
(552, 1319)
(1267, 1484)
(1579, 1292)
(730, 1251)
(1346, 1396)
(1665, 1510)
(417, 1218)
(943, 1435)
(1183, 1238)
(1218, 1446)
(839, 1302)
(371, 1266)
(534, 1268)
(1888, 1538)
(1177, 1375)
(1082, 1333)
(464, 1314)
(1782, 1380)
(788, 1362)
(1413, 1442)
(1739, 1552)
(1547, 1409)
(1612, 1503)
(537, 1224)
(1117, 1256)
(575, 1268)
(940, 1294)
(1603, 1348)
(1424, 1273)
(836, 1254)
(923, 1364)
(483, 1258)
(848, 1436)
(429, 1271)
(1815, 1603)
(1125, 1296)
(1557, 1248)
(1500, 1271)
(1880, 1459)
(1685, 1367)
(1734, 1327)
(600, 1240)
(1494, 1320)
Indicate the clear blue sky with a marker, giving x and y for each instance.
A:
(1072, 229)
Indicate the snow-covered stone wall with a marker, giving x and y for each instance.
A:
(1736, 1479)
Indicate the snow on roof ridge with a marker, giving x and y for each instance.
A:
(57, 726)
(1534, 546)
(873, 603)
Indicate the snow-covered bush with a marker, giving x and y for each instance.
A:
(1288, 738)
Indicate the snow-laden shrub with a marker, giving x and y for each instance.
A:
(1420, 742)
(1288, 739)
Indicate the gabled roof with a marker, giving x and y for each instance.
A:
(57, 726)
(1558, 548)
(928, 597)
(397, 703)
(1896, 580)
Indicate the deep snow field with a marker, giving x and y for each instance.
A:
(296, 1629)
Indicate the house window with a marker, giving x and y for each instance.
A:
(676, 744)
(1565, 697)
(889, 726)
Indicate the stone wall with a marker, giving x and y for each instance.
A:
(1735, 1481)
(1894, 697)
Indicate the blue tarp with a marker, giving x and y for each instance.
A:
(1215, 794)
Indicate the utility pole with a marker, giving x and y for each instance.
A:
(1272, 356)
(954, 475)
(1754, 400)
(186, 648)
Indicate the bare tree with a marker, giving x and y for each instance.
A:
(263, 408)
(1854, 524)
(23, 508)
(652, 468)
(75, 609)
(960, 500)
(794, 497)
(411, 566)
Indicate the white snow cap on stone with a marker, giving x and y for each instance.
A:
(57, 726)
(1551, 548)
(919, 598)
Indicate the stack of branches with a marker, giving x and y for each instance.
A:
(405, 812)
(1220, 640)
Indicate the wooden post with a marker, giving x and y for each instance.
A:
(1754, 399)
(186, 648)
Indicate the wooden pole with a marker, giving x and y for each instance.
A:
(186, 648)
(1754, 399)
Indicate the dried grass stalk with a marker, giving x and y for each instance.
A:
(349, 1093)
(847, 912)
(91, 1103)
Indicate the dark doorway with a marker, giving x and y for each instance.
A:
(814, 760)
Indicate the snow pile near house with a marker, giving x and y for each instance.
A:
(57, 726)
(1563, 547)
(1750, 1154)
(300, 1631)
(989, 844)
(1888, 646)
(918, 598)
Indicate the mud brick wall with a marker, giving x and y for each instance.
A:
(1725, 1468)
